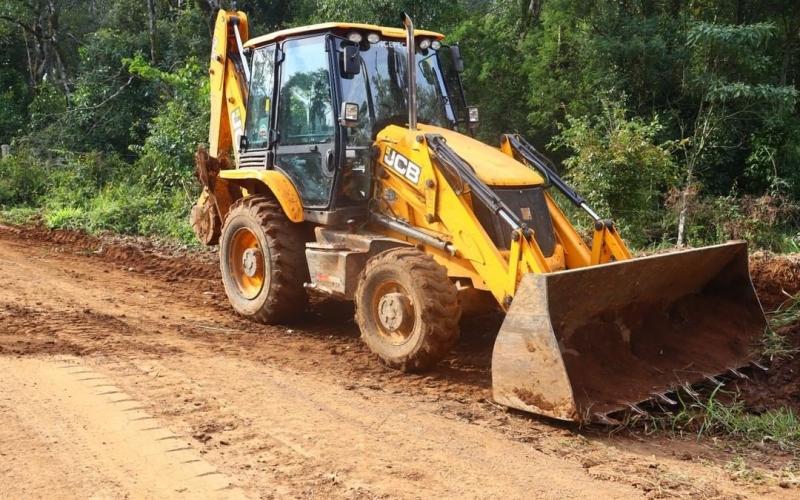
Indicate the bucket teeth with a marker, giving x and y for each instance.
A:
(688, 388)
(663, 398)
(638, 410)
(759, 365)
(714, 380)
(604, 419)
(736, 373)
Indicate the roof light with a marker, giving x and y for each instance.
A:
(424, 43)
(436, 45)
(373, 38)
(354, 36)
(472, 116)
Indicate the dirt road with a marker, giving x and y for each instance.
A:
(124, 374)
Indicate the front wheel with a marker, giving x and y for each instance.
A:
(407, 309)
(262, 260)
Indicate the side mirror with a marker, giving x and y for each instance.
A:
(458, 63)
(352, 60)
(348, 116)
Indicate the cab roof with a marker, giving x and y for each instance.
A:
(398, 33)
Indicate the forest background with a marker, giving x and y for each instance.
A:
(678, 118)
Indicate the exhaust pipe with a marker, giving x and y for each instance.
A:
(412, 71)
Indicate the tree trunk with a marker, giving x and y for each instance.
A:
(151, 14)
(682, 216)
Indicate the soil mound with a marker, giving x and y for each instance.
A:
(776, 279)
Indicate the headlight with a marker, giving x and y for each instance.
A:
(354, 36)
(424, 43)
(436, 45)
(373, 38)
(472, 116)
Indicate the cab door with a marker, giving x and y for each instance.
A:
(259, 129)
(306, 126)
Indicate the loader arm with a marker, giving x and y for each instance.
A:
(524, 255)
(444, 202)
(607, 245)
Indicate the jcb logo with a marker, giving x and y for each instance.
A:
(402, 165)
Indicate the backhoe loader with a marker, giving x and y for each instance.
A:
(341, 161)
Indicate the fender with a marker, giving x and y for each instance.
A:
(275, 181)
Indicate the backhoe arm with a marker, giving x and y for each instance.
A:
(228, 73)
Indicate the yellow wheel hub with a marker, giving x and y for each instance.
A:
(246, 263)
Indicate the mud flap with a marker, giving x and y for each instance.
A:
(580, 344)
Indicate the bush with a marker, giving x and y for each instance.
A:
(767, 222)
(180, 126)
(23, 179)
(618, 168)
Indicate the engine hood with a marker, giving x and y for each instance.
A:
(492, 166)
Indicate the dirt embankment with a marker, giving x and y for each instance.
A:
(166, 394)
(777, 280)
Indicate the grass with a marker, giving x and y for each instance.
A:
(787, 314)
(720, 414)
(19, 215)
(773, 344)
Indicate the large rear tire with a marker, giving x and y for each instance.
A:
(407, 309)
(262, 259)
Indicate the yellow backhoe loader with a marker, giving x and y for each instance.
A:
(341, 162)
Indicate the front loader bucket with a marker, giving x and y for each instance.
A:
(580, 344)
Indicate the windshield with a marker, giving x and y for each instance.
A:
(381, 90)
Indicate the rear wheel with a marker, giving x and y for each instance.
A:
(407, 309)
(262, 259)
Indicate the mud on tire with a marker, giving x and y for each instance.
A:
(407, 309)
(262, 259)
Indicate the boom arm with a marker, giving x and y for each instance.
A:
(228, 83)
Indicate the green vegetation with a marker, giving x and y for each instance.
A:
(721, 414)
(787, 314)
(679, 120)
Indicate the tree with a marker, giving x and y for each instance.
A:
(618, 166)
(40, 20)
(722, 75)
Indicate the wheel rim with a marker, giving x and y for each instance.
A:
(246, 263)
(394, 312)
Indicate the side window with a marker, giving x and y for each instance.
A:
(306, 113)
(259, 103)
(306, 129)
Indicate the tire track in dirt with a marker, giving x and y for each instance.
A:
(95, 435)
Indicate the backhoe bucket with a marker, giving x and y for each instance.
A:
(580, 344)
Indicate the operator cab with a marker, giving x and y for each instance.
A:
(300, 78)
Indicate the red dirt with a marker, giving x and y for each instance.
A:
(775, 279)
(295, 411)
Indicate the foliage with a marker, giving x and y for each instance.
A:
(766, 221)
(617, 167)
(437, 15)
(178, 128)
(787, 314)
(676, 117)
(720, 414)
(22, 181)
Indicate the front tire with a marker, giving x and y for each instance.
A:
(262, 260)
(407, 309)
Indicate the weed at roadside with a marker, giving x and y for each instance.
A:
(722, 415)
